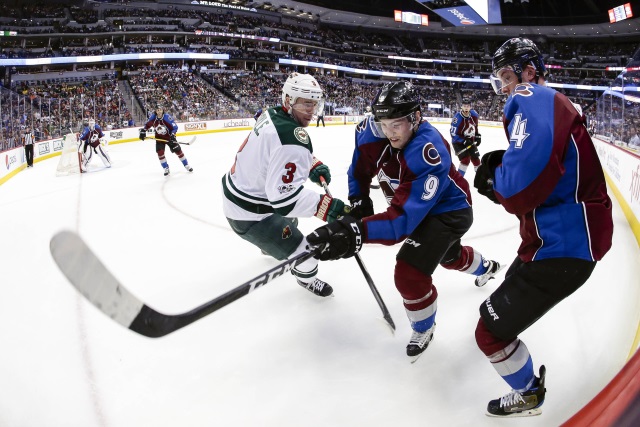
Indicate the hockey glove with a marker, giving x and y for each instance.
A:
(143, 134)
(172, 138)
(361, 207)
(486, 174)
(340, 239)
(330, 209)
(478, 140)
(319, 169)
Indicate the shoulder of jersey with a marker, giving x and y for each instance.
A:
(289, 131)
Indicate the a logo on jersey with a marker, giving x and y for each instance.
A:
(470, 131)
(286, 232)
(161, 129)
(430, 154)
(455, 120)
(523, 89)
(301, 135)
(94, 137)
(387, 185)
(287, 188)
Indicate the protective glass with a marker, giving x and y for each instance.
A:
(308, 106)
(500, 78)
(395, 125)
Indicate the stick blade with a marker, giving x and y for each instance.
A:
(92, 279)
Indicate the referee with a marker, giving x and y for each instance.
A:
(27, 140)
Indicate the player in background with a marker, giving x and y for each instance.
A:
(257, 114)
(465, 137)
(367, 112)
(165, 135)
(550, 177)
(264, 191)
(92, 140)
(429, 206)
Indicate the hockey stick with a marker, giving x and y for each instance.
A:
(190, 142)
(367, 276)
(92, 279)
(465, 149)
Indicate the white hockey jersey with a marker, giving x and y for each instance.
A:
(270, 170)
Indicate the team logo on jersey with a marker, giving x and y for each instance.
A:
(286, 232)
(387, 185)
(430, 154)
(162, 130)
(301, 135)
(287, 188)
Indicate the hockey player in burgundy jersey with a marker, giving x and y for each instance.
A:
(429, 206)
(550, 177)
(92, 141)
(264, 191)
(165, 134)
(465, 137)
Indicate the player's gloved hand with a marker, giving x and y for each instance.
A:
(361, 207)
(478, 140)
(486, 174)
(143, 134)
(330, 209)
(340, 239)
(172, 138)
(319, 169)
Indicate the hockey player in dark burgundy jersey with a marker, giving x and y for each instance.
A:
(165, 134)
(465, 137)
(429, 206)
(550, 177)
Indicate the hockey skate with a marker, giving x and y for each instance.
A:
(317, 287)
(188, 168)
(516, 404)
(494, 268)
(166, 171)
(419, 342)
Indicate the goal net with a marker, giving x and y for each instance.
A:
(70, 158)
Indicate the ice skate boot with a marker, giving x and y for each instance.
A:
(419, 342)
(317, 286)
(516, 404)
(188, 168)
(494, 268)
(166, 171)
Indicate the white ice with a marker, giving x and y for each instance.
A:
(279, 356)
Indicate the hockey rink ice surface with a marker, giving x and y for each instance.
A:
(280, 356)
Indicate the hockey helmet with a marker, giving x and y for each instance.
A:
(302, 86)
(516, 53)
(92, 124)
(395, 100)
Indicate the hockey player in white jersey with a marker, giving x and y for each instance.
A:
(93, 140)
(264, 191)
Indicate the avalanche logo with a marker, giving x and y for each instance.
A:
(161, 130)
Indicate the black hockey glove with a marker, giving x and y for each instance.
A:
(143, 134)
(486, 174)
(361, 207)
(172, 138)
(340, 239)
(478, 140)
(319, 169)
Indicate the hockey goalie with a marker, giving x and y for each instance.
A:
(93, 141)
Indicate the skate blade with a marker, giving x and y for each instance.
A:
(528, 413)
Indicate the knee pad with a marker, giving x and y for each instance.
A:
(459, 260)
(413, 284)
(464, 158)
(160, 152)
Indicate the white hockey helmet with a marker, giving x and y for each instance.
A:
(302, 86)
(92, 124)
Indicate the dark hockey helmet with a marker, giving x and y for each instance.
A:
(517, 53)
(395, 100)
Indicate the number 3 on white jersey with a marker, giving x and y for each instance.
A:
(518, 131)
